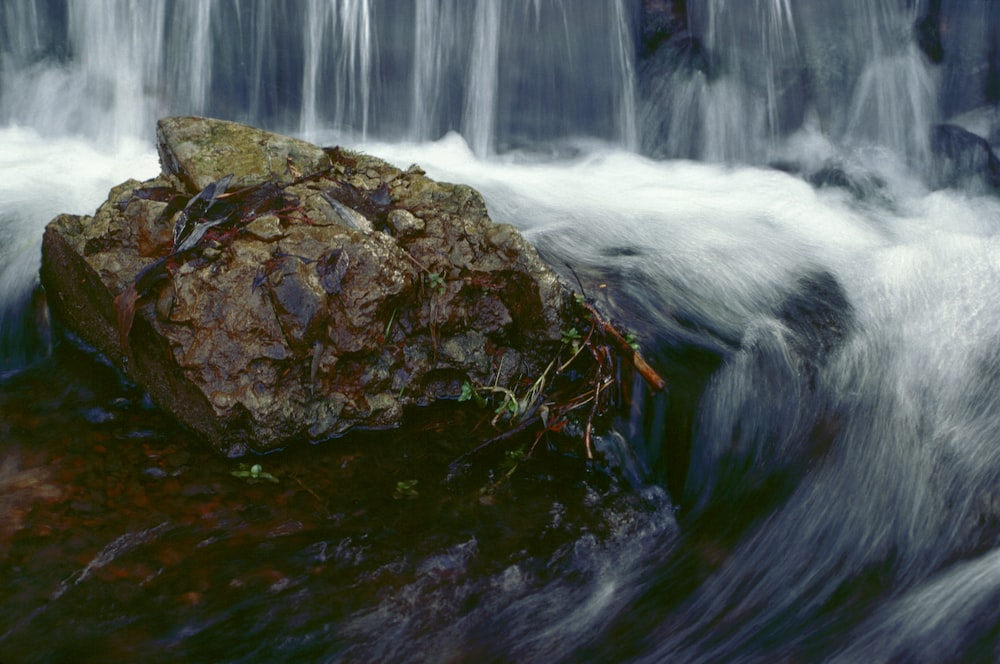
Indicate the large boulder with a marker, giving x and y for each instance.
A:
(313, 291)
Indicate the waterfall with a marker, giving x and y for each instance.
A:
(106, 35)
(522, 74)
(771, 62)
(481, 98)
(190, 34)
(866, 70)
(756, 82)
(623, 52)
(433, 33)
(339, 58)
(731, 85)
(893, 101)
(749, 186)
(756, 51)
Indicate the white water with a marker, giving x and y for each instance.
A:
(913, 390)
(39, 178)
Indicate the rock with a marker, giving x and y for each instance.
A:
(861, 184)
(329, 291)
(819, 318)
(927, 30)
(963, 159)
(661, 20)
(201, 151)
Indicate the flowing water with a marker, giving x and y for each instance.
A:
(753, 187)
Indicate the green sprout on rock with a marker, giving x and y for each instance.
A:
(470, 393)
(436, 281)
(509, 406)
(405, 490)
(253, 474)
(572, 338)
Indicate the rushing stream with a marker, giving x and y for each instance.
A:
(791, 203)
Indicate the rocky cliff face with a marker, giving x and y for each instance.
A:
(267, 291)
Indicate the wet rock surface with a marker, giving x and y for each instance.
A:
(314, 291)
(963, 159)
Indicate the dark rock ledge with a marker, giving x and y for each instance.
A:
(314, 291)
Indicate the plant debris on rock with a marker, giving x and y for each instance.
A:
(267, 291)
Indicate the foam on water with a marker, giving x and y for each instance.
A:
(904, 400)
(41, 177)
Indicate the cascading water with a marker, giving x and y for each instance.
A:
(820, 482)
(349, 28)
(480, 102)
(750, 74)
(742, 109)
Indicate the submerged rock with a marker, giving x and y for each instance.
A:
(314, 291)
(963, 159)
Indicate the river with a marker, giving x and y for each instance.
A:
(760, 198)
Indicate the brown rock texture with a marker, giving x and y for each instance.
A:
(313, 291)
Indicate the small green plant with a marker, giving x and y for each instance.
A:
(253, 474)
(513, 457)
(436, 281)
(470, 393)
(406, 490)
(388, 327)
(552, 399)
(571, 338)
(509, 407)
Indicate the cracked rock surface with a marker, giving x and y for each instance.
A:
(328, 290)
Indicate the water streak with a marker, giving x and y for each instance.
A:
(344, 65)
(480, 102)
